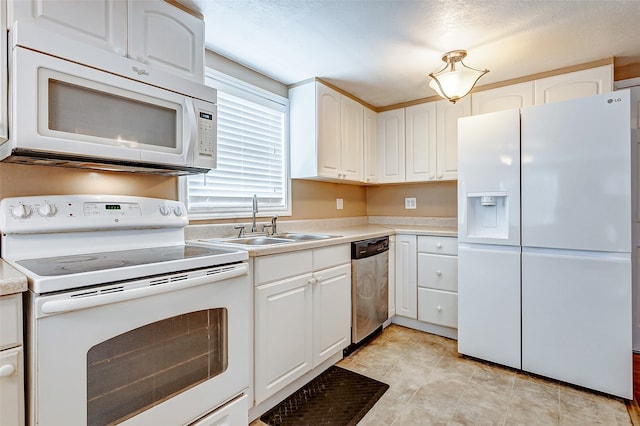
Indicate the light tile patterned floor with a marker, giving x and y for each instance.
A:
(431, 384)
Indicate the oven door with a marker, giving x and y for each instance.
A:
(167, 353)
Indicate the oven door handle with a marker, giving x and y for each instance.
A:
(68, 305)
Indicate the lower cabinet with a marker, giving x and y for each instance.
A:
(302, 320)
(426, 272)
(11, 361)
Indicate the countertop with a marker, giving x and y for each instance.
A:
(11, 281)
(344, 234)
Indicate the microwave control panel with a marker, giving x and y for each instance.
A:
(207, 133)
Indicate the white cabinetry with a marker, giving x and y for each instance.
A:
(11, 361)
(392, 276)
(391, 162)
(499, 99)
(447, 137)
(302, 314)
(592, 81)
(438, 280)
(370, 146)
(326, 134)
(420, 143)
(562, 87)
(406, 276)
(154, 32)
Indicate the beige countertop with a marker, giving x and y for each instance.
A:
(11, 281)
(343, 235)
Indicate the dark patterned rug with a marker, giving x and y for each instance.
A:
(336, 397)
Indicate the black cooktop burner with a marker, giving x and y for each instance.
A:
(82, 263)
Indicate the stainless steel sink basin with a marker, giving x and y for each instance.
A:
(303, 237)
(257, 241)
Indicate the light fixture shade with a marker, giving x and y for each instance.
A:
(454, 83)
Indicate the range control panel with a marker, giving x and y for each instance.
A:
(69, 213)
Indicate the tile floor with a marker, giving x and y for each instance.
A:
(430, 384)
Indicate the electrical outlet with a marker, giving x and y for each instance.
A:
(339, 204)
(409, 203)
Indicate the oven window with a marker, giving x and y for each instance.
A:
(134, 371)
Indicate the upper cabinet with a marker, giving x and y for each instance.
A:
(420, 143)
(370, 146)
(562, 87)
(507, 97)
(151, 32)
(326, 134)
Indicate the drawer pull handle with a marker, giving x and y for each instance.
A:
(7, 370)
(439, 273)
(439, 308)
(438, 245)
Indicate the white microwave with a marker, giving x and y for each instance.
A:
(66, 114)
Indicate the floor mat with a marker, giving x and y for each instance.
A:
(335, 397)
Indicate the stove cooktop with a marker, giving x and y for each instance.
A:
(49, 274)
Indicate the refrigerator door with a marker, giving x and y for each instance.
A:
(489, 178)
(576, 174)
(489, 303)
(576, 318)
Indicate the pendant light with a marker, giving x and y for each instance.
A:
(453, 82)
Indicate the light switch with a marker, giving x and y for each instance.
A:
(339, 204)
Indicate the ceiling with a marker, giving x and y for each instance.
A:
(382, 51)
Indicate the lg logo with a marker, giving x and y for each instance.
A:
(610, 101)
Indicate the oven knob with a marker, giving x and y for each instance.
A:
(21, 211)
(47, 210)
(165, 210)
(177, 211)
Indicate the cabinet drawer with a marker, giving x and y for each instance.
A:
(438, 245)
(10, 321)
(11, 387)
(279, 266)
(327, 257)
(438, 272)
(438, 307)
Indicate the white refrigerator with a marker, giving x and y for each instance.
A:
(545, 240)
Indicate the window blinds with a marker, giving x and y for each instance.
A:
(251, 160)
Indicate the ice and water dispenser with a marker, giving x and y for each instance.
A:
(488, 215)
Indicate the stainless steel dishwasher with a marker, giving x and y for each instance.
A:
(369, 287)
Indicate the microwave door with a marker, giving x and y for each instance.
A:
(70, 110)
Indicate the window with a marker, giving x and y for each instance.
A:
(252, 155)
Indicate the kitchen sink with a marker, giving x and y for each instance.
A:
(283, 238)
(257, 241)
(304, 237)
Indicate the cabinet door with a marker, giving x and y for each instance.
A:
(283, 334)
(420, 142)
(447, 136)
(100, 23)
(329, 132)
(391, 162)
(370, 146)
(501, 98)
(392, 276)
(589, 82)
(11, 387)
(352, 143)
(166, 37)
(406, 276)
(331, 312)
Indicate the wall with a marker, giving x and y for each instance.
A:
(434, 199)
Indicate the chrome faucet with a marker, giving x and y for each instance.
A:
(254, 210)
